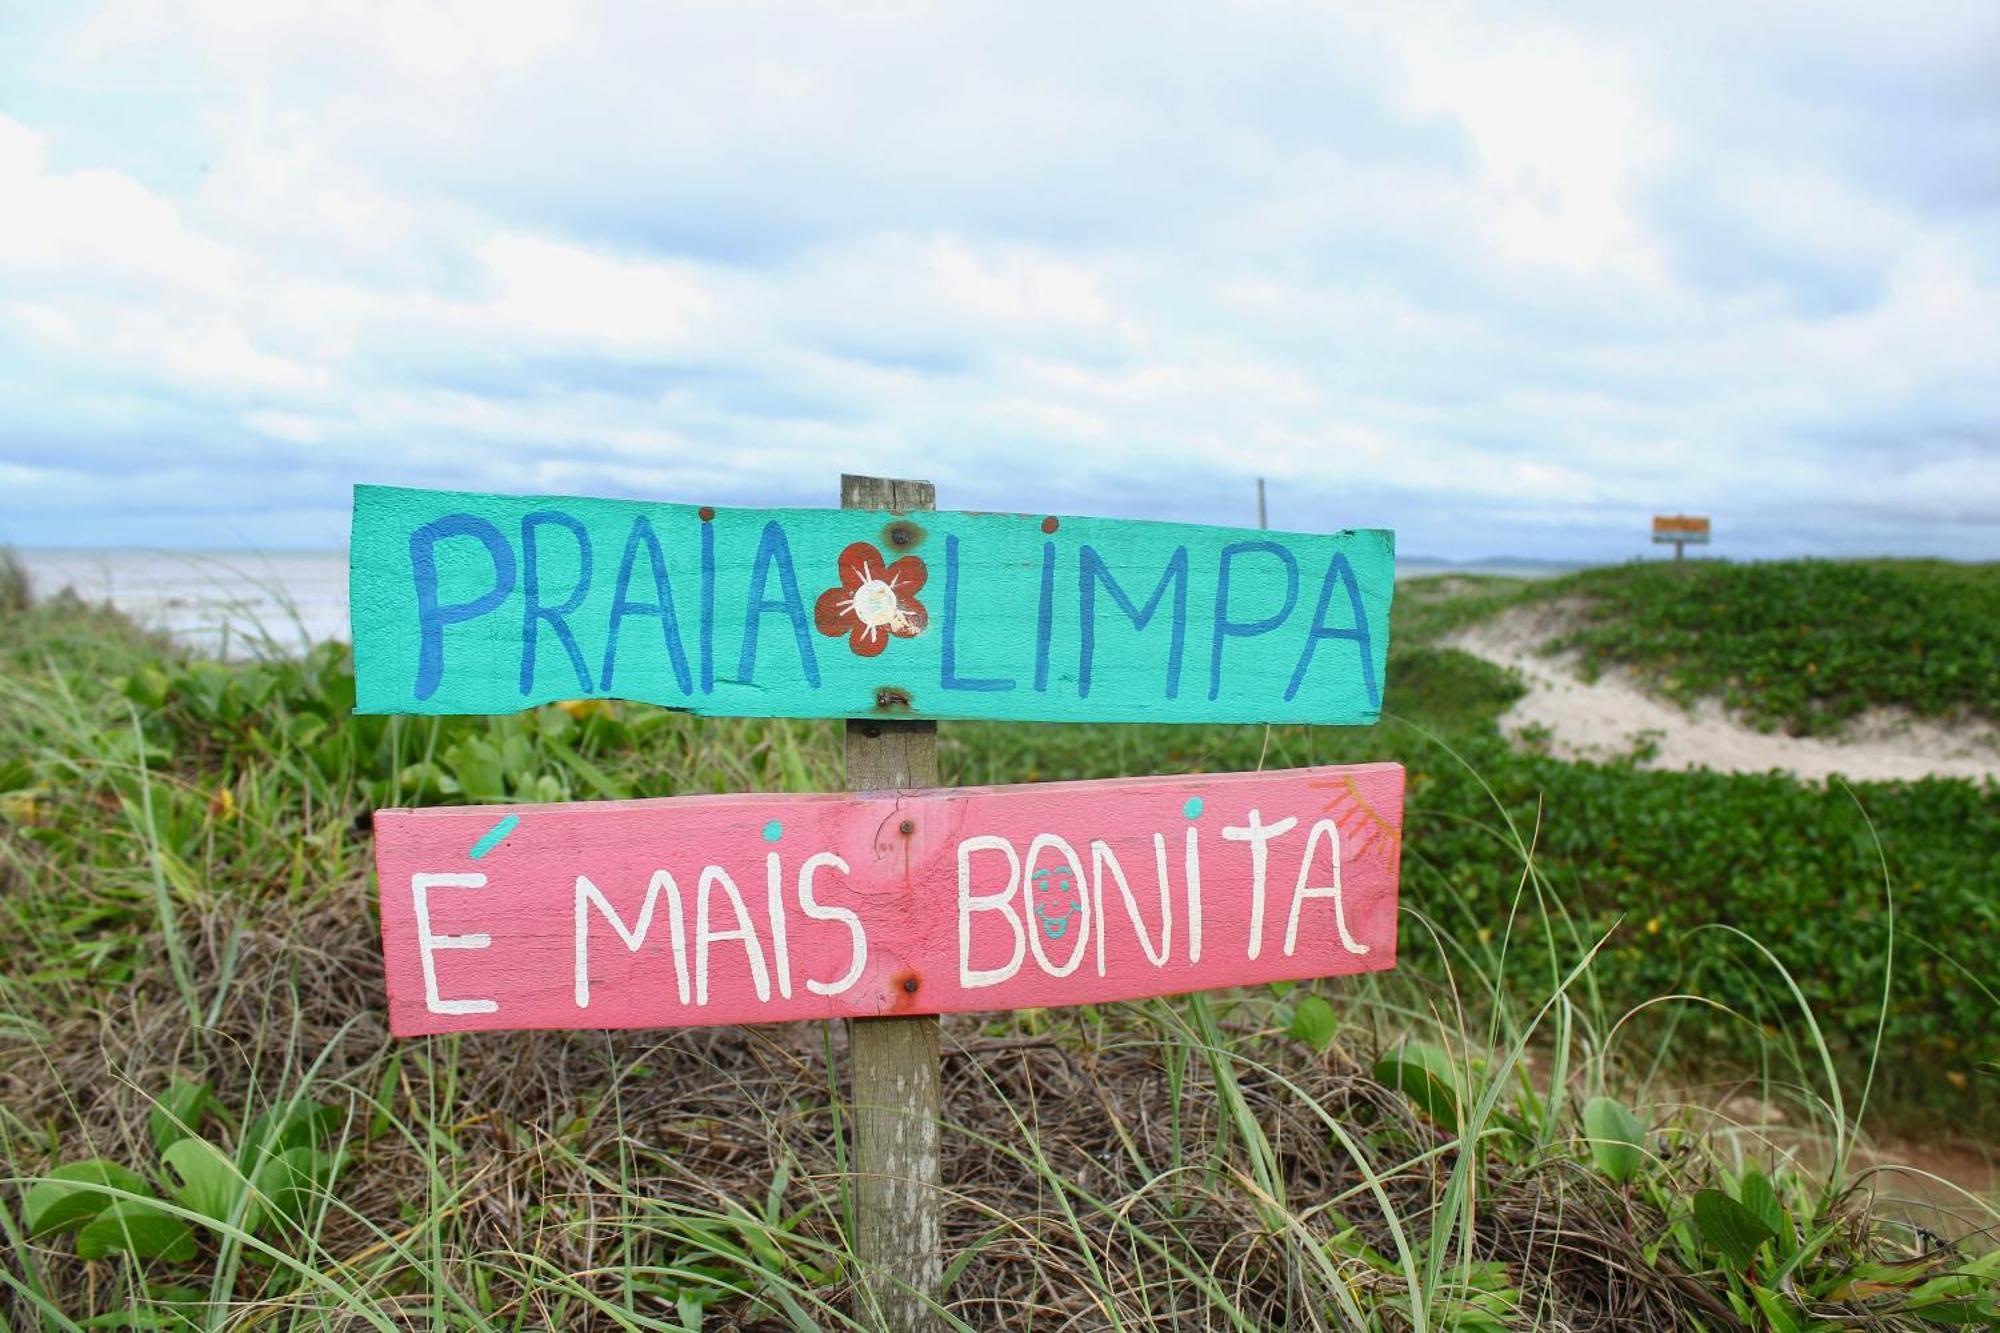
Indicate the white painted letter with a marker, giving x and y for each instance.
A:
(1034, 898)
(1258, 835)
(1192, 859)
(1301, 892)
(587, 893)
(818, 913)
(703, 936)
(1103, 858)
(427, 943)
(968, 903)
(774, 907)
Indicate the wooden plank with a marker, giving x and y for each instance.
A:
(465, 603)
(897, 1066)
(756, 909)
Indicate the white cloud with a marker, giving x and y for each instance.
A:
(94, 226)
(1013, 288)
(1558, 124)
(425, 40)
(1504, 281)
(291, 427)
(546, 290)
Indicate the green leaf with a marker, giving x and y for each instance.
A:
(1756, 1193)
(774, 1196)
(1972, 1279)
(594, 777)
(290, 1181)
(1313, 1022)
(1425, 1074)
(1982, 1312)
(302, 1124)
(416, 783)
(302, 729)
(138, 1229)
(383, 1118)
(64, 1200)
(147, 687)
(181, 1112)
(1617, 1139)
(209, 1182)
(517, 757)
(1729, 1229)
(1783, 1317)
(477, 767)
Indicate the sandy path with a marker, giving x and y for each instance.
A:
(1610, 716)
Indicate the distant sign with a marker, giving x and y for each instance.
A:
(1680, 529)
(465, 603)
(755, 909)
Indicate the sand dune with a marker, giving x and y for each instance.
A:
(1613, 715)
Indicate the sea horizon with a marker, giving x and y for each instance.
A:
(247, 602)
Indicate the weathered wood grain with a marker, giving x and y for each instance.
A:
(467, 603)
(895, 1062)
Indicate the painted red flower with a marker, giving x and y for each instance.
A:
(874, 600)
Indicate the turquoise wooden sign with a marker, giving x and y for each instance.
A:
(466, 603)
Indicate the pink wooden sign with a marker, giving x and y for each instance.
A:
(758, 909)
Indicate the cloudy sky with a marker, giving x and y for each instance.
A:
(1508, 279)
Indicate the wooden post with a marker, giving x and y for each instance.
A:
(896, 1062)
(1262, 521)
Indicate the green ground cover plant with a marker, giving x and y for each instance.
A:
(1654, 861)
(1802, 645)
(1512, 1131)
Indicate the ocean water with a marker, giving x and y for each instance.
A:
(245, 603)
(235, 603)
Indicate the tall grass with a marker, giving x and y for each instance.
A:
(191, 954)
(17, 590)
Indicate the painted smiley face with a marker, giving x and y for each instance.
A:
(1056, 902)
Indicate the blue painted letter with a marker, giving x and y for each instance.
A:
(1225, 628)
(773, 548)
(1091, 570)
(535, 612)
(1045, 615)
(432, 618)
(670, 625)
(707, 607)
(1338, 568)
(949, 677)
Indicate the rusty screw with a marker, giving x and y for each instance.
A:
(902, 534)
(909, 985)
(891, 697)
(909, 826)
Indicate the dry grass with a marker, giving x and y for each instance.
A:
(1073, 1156)
(17, 590)
(1181, 1164)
